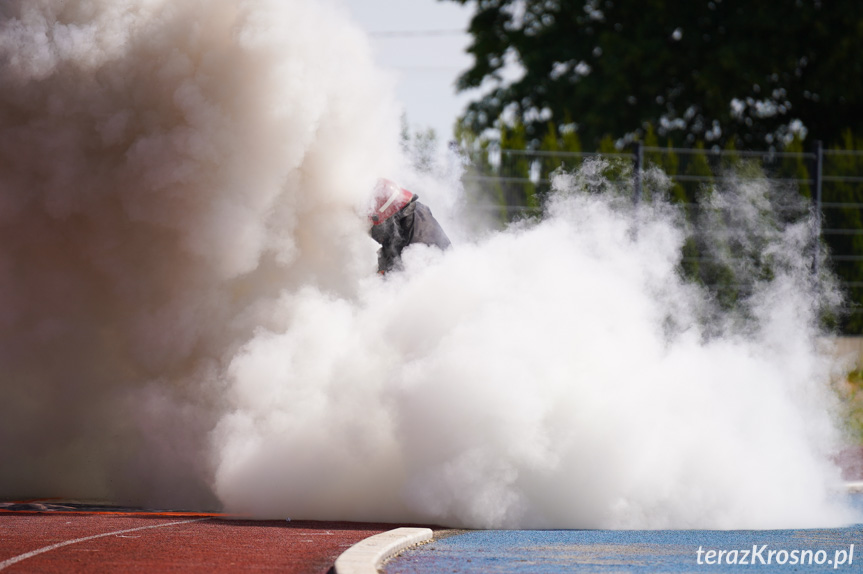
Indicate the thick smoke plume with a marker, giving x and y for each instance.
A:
(166, 169)
(190, 315)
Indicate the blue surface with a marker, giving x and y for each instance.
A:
(654, 551)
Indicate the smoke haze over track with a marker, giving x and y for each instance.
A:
(190, 315)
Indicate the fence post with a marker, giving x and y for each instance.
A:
(818, 176)
(638, 160)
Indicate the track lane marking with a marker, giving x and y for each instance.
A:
(32, 553)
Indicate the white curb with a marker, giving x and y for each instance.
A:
(856, 486)
(366, 556)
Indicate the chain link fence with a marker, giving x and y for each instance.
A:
(513, 184)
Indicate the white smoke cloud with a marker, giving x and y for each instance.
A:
(530, 380)
(190, 315)
(166, 169)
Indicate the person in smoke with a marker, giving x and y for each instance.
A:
(398, 220)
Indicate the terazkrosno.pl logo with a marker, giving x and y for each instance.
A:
(763, 554)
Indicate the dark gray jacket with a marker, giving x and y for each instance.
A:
(413, 224)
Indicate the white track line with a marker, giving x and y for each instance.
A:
(26, 555)
(366, 556)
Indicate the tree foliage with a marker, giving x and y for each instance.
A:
(715, 70)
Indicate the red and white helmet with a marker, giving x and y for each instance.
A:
(389, 199)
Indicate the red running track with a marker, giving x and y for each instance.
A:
(50, 538)
(54, 542)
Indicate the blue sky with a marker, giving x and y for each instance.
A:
(417, 40)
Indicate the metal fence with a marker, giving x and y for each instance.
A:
(514, 183)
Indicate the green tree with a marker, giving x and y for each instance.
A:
(696, 69)
(480, 177)
(666, 159)
(607, 145)
(795, 167)
(698, 168)
(560, 150)
(697, 262)
(843, 224)
(551, 148)
(571, 140)
(515, 166)
(552, 158)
